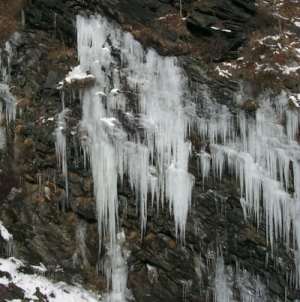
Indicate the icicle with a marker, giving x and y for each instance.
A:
(292, 123)
(137, 166)
(81, 244)
(5, 76)
(8, 240)
(179, 186)
(116, 271)
(205, 160)
(261, 157)
(223, 291)
(61, 149)
(186, 289)
(23, 18)
(10, 102)
(2, 130)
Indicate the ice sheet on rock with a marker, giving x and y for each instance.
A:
(251, 288)
(222, 288)
(55, 292)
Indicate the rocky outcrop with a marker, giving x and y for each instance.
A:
(226, 22)
(159, 24)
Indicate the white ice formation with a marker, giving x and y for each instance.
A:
(157, 163)
(262, 152)
(6, 96)
(61, 149)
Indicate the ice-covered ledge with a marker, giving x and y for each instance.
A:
(77, 78)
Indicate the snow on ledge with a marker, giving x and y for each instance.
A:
(55, 292)
(77, 77)
(4, 233)
(223, 72)
(295, 100)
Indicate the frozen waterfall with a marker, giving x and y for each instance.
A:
(9, 101)
(156, 161)
(141, 88)
(265, 157)
(153, 159)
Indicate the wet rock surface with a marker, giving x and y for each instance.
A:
(33, 190)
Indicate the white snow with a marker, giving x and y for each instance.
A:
(295, 100)
(55, 292)
(115, 91)
(100, 93)
(288, 69)
(40, 268)
(77, 74)
(221, 29)
(109, 121)
(5, 234)
(223, 72)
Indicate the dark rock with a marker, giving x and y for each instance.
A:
(11, 292)
(229, 20)
(85, 207)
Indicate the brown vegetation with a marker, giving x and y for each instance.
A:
(9, 15)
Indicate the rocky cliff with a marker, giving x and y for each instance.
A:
(233, 54)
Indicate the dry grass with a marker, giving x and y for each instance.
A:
(289, 9)
(149, 37)
(61, 53)
(271, 48)
(9, 15)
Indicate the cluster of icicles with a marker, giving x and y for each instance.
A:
(250, 288)
(156, 161)
(264, 155)
(149, 91)
(9, 101)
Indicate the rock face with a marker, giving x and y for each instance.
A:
(33, 190)
(157, 23)
(225, 21)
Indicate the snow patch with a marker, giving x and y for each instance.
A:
(78, 75)
(55, 292)
(5, 234)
